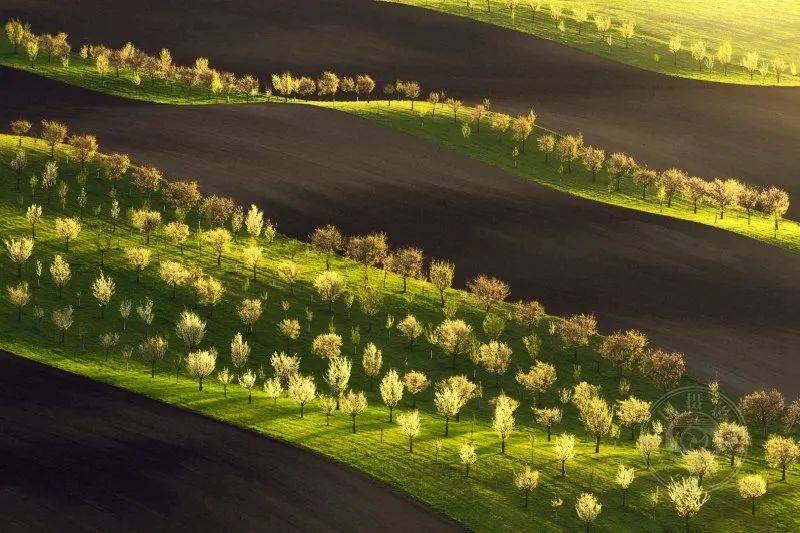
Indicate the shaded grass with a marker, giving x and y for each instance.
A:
(768, 27)
(487, 501)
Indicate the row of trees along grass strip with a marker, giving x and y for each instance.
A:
(712, 57)
(122, 275)
(511, 143)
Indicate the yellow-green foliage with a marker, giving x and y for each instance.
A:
(768, 27)
(430, 474)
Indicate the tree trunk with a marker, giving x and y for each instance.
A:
(597, 444)
(446, 426)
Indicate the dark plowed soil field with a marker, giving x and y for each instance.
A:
(730, 303)
(78, 455)
(711, 130)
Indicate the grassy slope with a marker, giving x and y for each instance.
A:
(439, 129)
(766, 26)
(487, 501)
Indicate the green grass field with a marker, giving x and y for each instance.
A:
(438, 128)
(487, 501)
(768, 27)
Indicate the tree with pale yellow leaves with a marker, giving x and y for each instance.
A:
(699, 463)
(337, 376)
(153, 350)
(441, 275)
(454, 337)
(63, 320)
(329, 286)
(752, 486)
(174, 274)
(410, 424)
(289, 328)
(391, 389)
(597, 417)
(731, 439)
(468, 457)
(588, 508)
(68, 229)
(781, 452)
(138, 258)
(503, 419)
(209, 292)
(33, 215)
(687, 496)
(526, 480)
(289, 272)
(632, 412)
(240, 352)
(624, 479)
(103, 289)
(371, 362)
(547, 417)
(415, 382)
(495, 357)
(19, 250)
(19, 295)
(60, 272)
(201, 364)
(411, 329)
(250, 311)
(302, 390)
(354, 403)
(177, 233)
(219, 239)
(254, 221)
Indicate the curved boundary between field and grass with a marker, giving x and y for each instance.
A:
(437, 124)
(648, 49)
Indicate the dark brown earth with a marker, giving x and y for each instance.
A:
(729, 302)
(709, 129)
(98, 458)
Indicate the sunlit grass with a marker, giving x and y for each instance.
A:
(487, 501)
(439, 129)
(768, 27)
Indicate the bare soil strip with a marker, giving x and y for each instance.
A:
(711, 130)
(79, 455)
